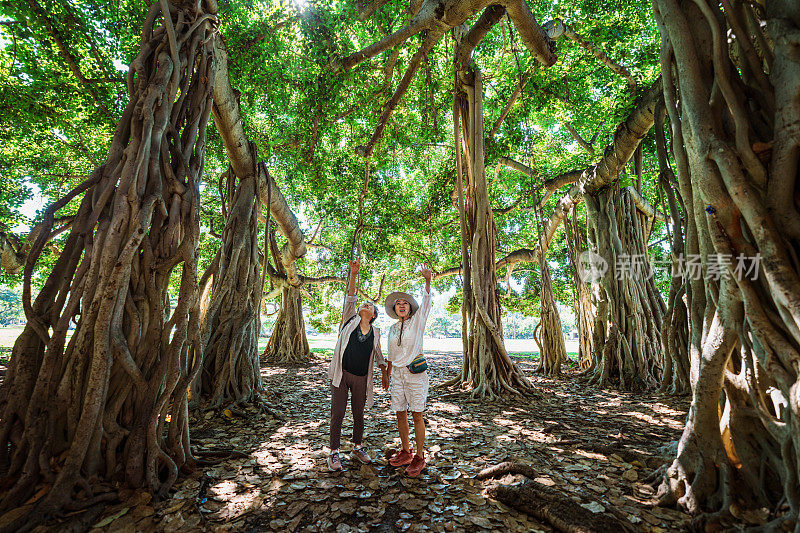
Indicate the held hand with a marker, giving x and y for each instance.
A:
(355, 265)
(425, 272)
(385, 378)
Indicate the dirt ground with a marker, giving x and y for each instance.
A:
(269, 473)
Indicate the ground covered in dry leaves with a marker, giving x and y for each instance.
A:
(266, 472)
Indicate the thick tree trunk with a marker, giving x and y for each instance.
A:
(256, 183)
(288, 343)
(584, 311)
(110, 404)
(732, 95)
(487, 368)
(231, 322)
(627, 330)
(549, 334)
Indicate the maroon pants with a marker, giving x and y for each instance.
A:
(357, 387)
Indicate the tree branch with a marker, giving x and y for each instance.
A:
(267, 30)
(504, 210)
(366, 11)
(577, 136)
(556, 28)
(534, 36)
(566, 178)
(627, 138)
(490, 16)
(520, 167)
(242, 157)
(644, 206)
(402, 87)
(526, 76)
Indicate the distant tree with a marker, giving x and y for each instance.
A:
(11, 304)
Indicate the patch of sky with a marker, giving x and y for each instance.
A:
(29, 209)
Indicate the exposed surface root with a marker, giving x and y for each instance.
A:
(502, 469)
(551, 506)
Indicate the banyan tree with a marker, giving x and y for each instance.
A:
(232, 360)
(87, 411)
(487, 369)
(629, 308)
(110, 403)
(732, 98)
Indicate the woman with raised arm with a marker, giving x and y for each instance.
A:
(408, 371)
(357, 349)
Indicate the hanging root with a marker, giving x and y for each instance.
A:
(627, 331)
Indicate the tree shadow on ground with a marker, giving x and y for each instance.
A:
(595, 446)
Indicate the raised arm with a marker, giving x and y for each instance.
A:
(355, 265)
(349, 304)
(425, 307)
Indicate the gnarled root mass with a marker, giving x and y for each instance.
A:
(231, 323)
(110, 404)
(583, 291)
(548, 333)
(548, 504)
(731, 93)
(288, 344)
(627, 332)
(487, 369)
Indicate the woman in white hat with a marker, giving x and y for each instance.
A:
(357, 350)
(409, 384)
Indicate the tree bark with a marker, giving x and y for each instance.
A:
(245, 284)
(584, 310)
(487, 369)
(110, 404)
(231, 322)
(736, 154)
(627, 328)
(548, 333)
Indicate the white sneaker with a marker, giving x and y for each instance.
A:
(334, 463)
(361, 455)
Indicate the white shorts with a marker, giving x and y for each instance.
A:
(408, 391)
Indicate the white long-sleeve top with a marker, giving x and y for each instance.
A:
(413, 331)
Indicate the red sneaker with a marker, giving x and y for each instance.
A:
(401, 458)
(416, 466)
